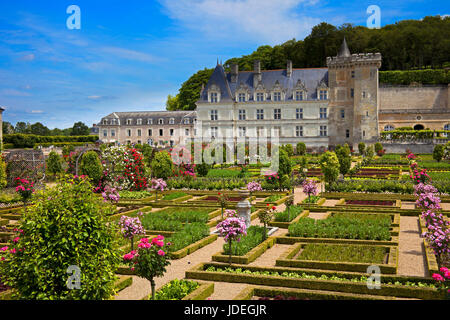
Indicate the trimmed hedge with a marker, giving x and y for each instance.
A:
(406, 77)
(314, 282)
(251, 256)
(19, 140)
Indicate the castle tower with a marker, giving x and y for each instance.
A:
(354, 101)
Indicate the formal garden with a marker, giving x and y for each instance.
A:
(125, 222)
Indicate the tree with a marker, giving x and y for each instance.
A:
(80, 129)
(438, 152)
(369, 153)
(7, 128)
(361, 148)
(39, 129)
(190, 91)
(172, 103)
(344, 157)
(301, 148)
(61, 238)
(22, 127)
(378, 148)
(91, 166)
(54, 165)
(289, 149)
(329, 165)
(162, 165)
(284, 163)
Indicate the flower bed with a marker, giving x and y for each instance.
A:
(344, 226)
(355, 258)
(248, 257)
(184, 290)
(288, 215)
(336, 281)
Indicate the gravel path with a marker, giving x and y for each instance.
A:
(411, 259)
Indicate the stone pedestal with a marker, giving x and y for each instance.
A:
(244, 208)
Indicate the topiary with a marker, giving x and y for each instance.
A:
(289, 149)
(284, 163)
(438, 152)
(361, 148)
(329, 165)
(54, 165)
(91, 166)
(378, 148)
(301, 148)
(345, 159)
(71, 230)
(162, 165)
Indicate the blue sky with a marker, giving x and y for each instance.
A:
(129, 55)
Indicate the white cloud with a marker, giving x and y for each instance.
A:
(28, 57)
(37, 111)
(259, 20)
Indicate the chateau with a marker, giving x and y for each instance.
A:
(323, 107)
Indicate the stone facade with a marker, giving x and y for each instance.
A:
(414, 106)
(156, 128)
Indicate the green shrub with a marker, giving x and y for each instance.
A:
(69, 230)
(378, 148)
(344, 157)
(162, 165)
(289, 149)
(284, 166)
(438, 152)
(329, 165)
(361, 148)
(255, 235)
(311, 199)
(202, 169)
(54, 163)
(19, 140)
(91, 166)
(301, 148)
(125, 194)
(226, 173)
(176, 289)
(273, 198)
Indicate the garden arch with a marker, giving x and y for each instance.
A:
(83, 151)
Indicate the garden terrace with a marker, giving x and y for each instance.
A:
(343, 257)
(332, 281)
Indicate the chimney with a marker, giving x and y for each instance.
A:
(256, 72)
(234, 72)
(289, 69)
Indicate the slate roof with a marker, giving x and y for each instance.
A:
(155, 115)
(311, 78)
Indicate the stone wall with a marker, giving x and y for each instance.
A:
(419, 98)
(414, 147)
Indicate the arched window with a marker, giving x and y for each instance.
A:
(419, 127)
(388, 127)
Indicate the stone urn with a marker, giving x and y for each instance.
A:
(244, 208)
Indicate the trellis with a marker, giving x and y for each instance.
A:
(28, 164)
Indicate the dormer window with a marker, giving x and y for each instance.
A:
(149, 121)
(186, 121)
(171, 121)
(259, 96)
(129, 121)
(300, 95)
(241, 97)
(322, 91)
(160, 121)
(139, 121)
(213, 93)
(105, 121)
(277, 96)
(323, 94)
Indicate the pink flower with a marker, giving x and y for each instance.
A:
(16, 239)
(161, 253)
(438, 277)
(4, 248)
(160, 237)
